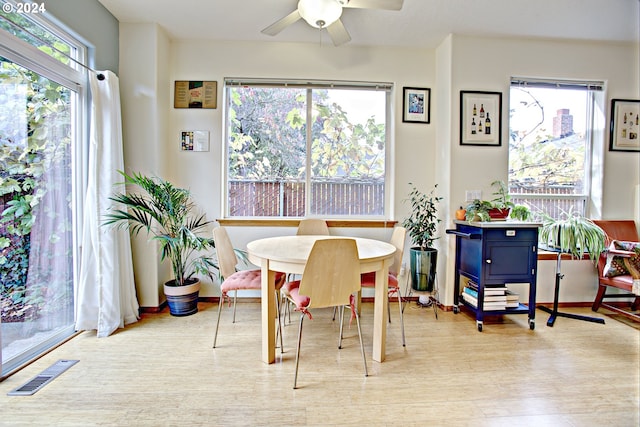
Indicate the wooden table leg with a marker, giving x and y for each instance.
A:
(268, 313)
(380, 313)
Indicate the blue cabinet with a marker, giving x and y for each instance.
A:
(491, 255)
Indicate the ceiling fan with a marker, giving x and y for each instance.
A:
(326, 14)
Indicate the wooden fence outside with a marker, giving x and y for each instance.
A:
(551, 200)
(255, 198)
(288, 198)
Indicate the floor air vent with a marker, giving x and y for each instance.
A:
(42, 379)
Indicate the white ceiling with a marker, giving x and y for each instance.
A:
(420, 23)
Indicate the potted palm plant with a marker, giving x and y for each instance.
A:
(167, 214)
(573, 234)
(421, 226)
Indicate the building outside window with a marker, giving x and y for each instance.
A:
(551, 144)
(298, 149)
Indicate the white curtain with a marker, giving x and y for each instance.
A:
(106, 298)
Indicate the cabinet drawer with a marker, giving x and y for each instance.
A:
(510, 234)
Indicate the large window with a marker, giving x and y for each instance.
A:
(551, 131)
(40, 117)
(306, 149)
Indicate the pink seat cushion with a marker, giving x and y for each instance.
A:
(247, 279)
(368, 280)
(292, 291)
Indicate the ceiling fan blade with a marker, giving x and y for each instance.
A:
(373, 4)
(338, 33)
(283, 23)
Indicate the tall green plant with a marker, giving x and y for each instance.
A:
(423, 221)
(167, 214)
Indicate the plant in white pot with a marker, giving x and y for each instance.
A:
(167, 214)
(421, 226)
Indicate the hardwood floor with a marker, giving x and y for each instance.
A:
(163, 371)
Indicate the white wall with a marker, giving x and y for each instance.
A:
(424, 154)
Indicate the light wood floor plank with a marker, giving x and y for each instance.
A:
(163, 371)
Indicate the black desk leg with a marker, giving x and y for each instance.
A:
(554, 312)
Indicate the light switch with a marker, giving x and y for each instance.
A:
(471, 195)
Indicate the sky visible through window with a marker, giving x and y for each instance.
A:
(531, 106)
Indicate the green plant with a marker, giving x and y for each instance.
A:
(521, 213)
(167, 214)
(502, 199)
(478, 210)
(422, 222)
(573, 234)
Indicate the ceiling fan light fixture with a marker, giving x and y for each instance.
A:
(320, 13)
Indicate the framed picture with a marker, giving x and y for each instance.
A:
(416, 105)
(195, 94)
(194, 140)
(624, 128)
(480, 118)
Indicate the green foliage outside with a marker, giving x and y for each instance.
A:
(34, 138)
(267, 137)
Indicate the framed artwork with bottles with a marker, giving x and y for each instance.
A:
(624, 127)
(480, 118)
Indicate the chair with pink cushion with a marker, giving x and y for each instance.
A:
(306, 227)
(234, 280)
(369, 279)
(331, 277)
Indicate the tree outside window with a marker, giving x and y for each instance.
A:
(297, 151)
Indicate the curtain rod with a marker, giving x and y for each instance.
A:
(99, 75)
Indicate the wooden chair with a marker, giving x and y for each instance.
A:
(331, 277)
(368, 280)
(306, 227)
(312, 226)
(624, 230)
(234, 280)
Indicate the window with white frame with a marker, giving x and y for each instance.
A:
(298, 149)
(551, 139)
(42, 111)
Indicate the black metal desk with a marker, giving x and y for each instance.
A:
(554, 311)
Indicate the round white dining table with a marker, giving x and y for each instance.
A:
(288, 254)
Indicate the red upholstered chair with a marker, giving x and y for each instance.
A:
(621, 230)
(233, 280)
(369, 279)
(331, 277)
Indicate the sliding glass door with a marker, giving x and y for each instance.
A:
(36, 223)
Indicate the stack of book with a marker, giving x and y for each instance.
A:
(496, 297)
(513, 299)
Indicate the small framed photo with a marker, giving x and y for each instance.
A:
(416, 105)
(194, 140)
(195, 94)
(624, 129)
(480, 118)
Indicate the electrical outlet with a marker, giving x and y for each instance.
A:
(471, 195)
(403, 269)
